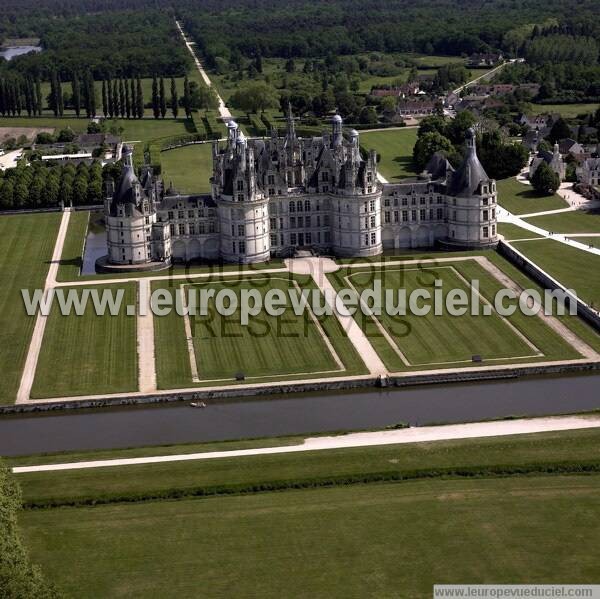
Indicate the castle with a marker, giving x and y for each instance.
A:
(271, 197)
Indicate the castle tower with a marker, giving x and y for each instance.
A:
(130, 213)
(242, 205)
(337, 136)
(472, 203)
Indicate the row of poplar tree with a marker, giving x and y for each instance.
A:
(120, 97)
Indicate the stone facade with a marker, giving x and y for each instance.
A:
(273, 196)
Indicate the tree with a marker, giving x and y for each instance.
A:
(104, 99)
(76, 89)
(544, 180)
(368, 116)
(427, 145)
(163, 99)
(110, 98)
(155, 98)
(174, 98)
(255, 97)
(127, 100)
(560, 130)
(139, 99)
(501, 160)
(122, 104)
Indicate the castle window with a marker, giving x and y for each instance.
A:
(369, 177)
(485, 201)
(326, 220)
(293, 238)
(232, 230)
(324, 176)
(367, 239)
(271, 191)
(273, 239)
(387, 217)
(271, 179)
(413, 201)
(170, 215)
(485, 232)
(386, 202)
(439, 199)
(405, 201)
(307, 221)
(240, 197)
(190, 214)
(327, 237)
(121, 224)
(147, 219)
(308, 237)
(292, 206)
(493, 213)
(180, 214)
(421, 201)
(372, 205)
(372, 221)
(292, 222)
(201, 212)
(454, 215)
(485, 215)
(440, 213)
(395, 202)
(281, 223)
(299, 206)
(273, 223)
(306, 205)
(366, 222)
(300, 222)
(192, 229)
(325, 189)
(182, 229)
(422, 214)
(493, 230)
(431, 214)
(405, 215)
(233, 246)
(369, 189)
(413, 215)
(172, 229)
(240, 185)
(201, 228)
(241, 230)
(396, 215)
(373, 238)
(211, 226)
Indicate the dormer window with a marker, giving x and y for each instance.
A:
(324, 176)
(240, 185)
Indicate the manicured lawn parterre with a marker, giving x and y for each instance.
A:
(188, 168)
(438, 341)
(522, 199)
(395, 148)
(88, 354)
(577, 269)
(510, 231)
(576, 221)
(268, 347)
(592, 240)
(26, 244)
(372, 538)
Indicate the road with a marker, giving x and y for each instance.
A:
(487, 75)
(223, 110)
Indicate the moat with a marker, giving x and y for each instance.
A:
(296, 414)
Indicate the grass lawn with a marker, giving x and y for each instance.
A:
(188, 168)
(576, 269)
(432, 341)
(565, 110)
(26, 244)
(88, 354)
(78, 125)
(342, 542)
(577, 221)
(395, 148)
(593, 241)
(510, 231)
(269, 347)
(522, 199)
(72, 255)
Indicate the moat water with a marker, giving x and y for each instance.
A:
(95, 244)
(296, 414)
(12, 51)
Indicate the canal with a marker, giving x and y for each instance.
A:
(296, 414)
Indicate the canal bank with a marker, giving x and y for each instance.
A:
(280, 415)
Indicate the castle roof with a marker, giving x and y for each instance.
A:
(124, 192)
(470, 174)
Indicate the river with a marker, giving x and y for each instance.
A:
(295, 414)
(12, 51)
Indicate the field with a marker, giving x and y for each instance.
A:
(430, 341)
(188, 168)
(269, 347)
(574, 268)
(395, 148)
(510, 231)
(26, 244)
(349, 540)
(88, 354)
(568, 222)
(72, 254)
(565, 110)
(522, 199)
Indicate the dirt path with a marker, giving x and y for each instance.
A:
(145, 340)
(371, 439)
(35, 344)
